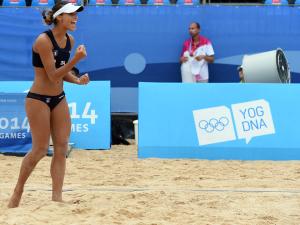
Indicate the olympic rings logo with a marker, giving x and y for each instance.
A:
(214, 124)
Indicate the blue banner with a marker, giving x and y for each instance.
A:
(90, 113)
(219, 121)
(15, 133)
(89, 107)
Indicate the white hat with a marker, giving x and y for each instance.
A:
(68, 8)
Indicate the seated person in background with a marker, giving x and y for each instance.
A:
(241, 74)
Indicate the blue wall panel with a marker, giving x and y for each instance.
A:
(127, 45)
(219, 121)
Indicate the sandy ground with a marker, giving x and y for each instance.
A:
(114, 187)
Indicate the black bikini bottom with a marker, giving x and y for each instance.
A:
(51, 101)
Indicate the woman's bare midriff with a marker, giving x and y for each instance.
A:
(43, 85)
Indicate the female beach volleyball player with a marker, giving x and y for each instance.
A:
(46, 105)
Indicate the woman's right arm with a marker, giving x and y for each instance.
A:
(44, 47)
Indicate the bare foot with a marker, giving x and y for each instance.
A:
(57, 198)
(15, 199)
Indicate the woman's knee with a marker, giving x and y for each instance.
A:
(61, 144)
(39, 151)
(61, 147)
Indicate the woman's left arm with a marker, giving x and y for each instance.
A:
(72, 77)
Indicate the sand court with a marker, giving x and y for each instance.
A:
(115, 187)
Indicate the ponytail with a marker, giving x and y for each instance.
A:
(48, 16)
(48, 13)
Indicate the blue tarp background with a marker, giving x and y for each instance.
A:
(149, 40)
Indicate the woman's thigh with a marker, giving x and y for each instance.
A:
(60, 123)
(38, 114)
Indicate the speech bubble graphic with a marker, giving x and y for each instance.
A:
(253, 119)
(214, 125)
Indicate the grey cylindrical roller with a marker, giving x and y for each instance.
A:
(266, 67)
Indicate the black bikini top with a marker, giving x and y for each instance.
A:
(61, 55)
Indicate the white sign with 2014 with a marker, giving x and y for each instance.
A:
(87, 114)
